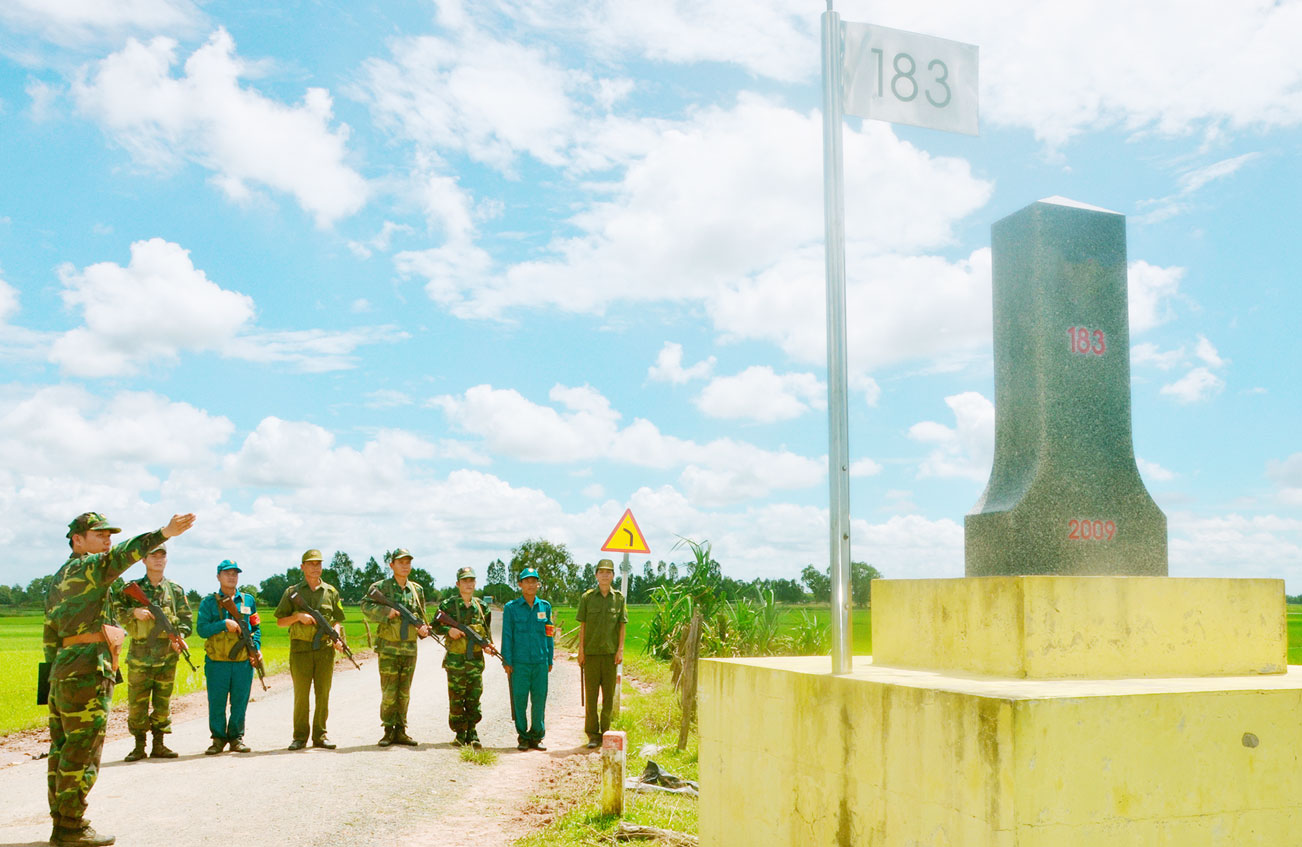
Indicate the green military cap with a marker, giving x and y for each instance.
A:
(228, 565)
(313, 555)
(529, 572)
(87, 521)
(400, 553)
(606, 565)
(465, 573)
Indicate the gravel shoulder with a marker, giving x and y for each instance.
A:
(359, 794)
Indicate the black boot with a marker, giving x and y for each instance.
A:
(217, 745)
(138, 752)
(400, 736)
(237, 745)
(388, 736)
(160, 750)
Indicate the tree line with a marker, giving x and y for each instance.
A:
(563, 580)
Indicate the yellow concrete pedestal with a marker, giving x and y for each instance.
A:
(898, 757)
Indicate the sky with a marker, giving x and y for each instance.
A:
(450, 275)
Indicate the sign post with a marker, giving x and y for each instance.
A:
(625, 538)
(890, 75)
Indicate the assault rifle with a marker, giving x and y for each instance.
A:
(323, 628)
(473, 637)
(408, 617)
(246, 637)
(161, 621)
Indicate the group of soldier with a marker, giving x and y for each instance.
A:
(87, 601)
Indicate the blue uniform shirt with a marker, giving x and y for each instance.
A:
(524, 634)
(212, 617)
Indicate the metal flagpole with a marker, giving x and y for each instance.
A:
(838, 415)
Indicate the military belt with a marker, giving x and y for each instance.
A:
(84, 638)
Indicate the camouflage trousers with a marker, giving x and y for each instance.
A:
(78, 717)
(150, 685)
(397, 667)
(465, 689)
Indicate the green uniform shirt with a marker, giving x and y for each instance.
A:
(475, 616)
(324, 599)
(149, 645)
(601, 617)
(390, 629)
(78, 603)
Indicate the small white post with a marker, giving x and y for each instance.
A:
(613, 755)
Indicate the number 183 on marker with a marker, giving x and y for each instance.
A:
(907, 78)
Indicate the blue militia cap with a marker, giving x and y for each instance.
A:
(529, 572)
(228, 565)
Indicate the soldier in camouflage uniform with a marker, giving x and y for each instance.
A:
(396, 645)
(465, 667)
(151, 659)
(81, 645)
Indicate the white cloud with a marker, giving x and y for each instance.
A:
(154, 308)
(965, 450)
(1190, 182)
(669, 366)
(160, 305)
(1151, 291)
(760, 394)
(1197, 385)
(1236, 546)
(1206, 351)
(1149, 354)
(208, 117)
(587, 428)
(595, 491)
(8, 302)
(76, 22)
(487, 98)
(1287, 475)
(864, 467)
(387, 398)
(1153, 471)
(686, 187)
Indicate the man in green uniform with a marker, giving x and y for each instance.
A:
(602, 618)
(465, 663)
(396, 645)
(312, 669)
(151, 658)
(81, 645)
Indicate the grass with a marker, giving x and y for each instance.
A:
(649, 718)
(21, 652)
(639, 618)
(478, 757)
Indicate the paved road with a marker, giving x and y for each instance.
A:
(358, 794)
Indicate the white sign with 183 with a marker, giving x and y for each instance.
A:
(907, 78)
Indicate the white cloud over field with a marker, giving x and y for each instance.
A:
(209, 117)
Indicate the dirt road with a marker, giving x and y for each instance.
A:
(358, 794)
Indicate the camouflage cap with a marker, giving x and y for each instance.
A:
(313, 555)
(465, 573)
(400, 553)
(87, 521)
(606, 565)
(529, 572)
(228, 565)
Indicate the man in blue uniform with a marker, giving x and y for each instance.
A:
(527, 645)
(229, 677)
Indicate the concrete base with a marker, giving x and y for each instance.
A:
(791, 755)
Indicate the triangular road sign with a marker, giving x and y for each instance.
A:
(626, 537)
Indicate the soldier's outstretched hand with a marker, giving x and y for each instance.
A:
(178, 524)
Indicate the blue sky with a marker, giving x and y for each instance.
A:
(451, 275)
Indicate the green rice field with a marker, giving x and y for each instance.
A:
(20, 652)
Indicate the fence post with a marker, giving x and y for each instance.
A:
(688, 680)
